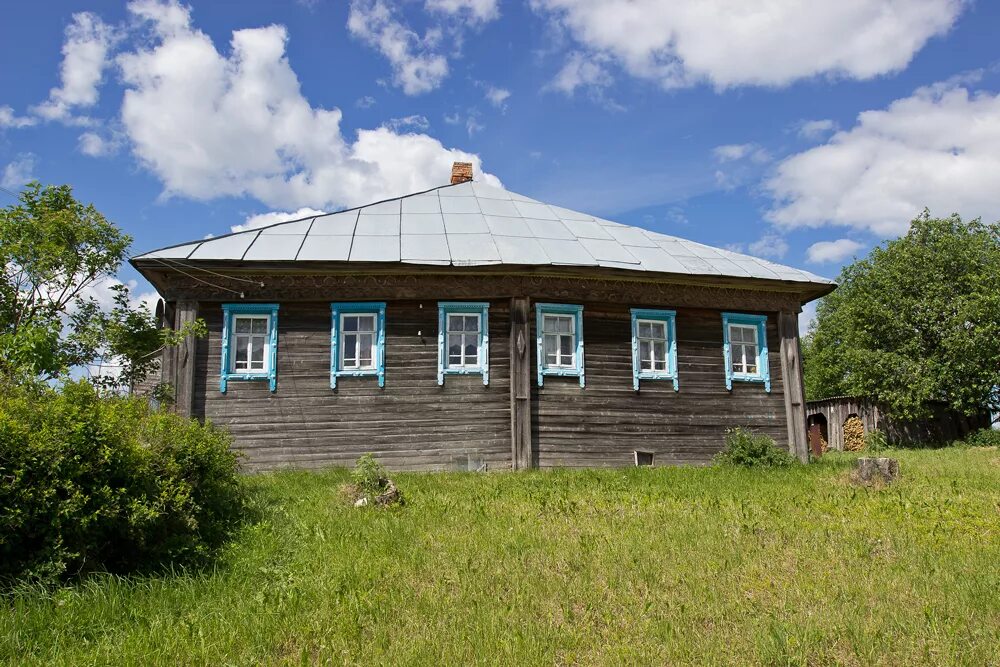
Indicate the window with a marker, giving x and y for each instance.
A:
(654, 346)
(249, 343)
(559, 330)
(357, 341)
(463, 339)
(745, 349)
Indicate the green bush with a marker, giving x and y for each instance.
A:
(752, 450)
(984, 437)
(876, 441)
(96, 483)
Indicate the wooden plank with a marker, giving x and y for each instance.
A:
(184, 362)
(794, 390)
(520, 384)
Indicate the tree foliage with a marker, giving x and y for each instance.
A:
(54, 250)
(915, 322)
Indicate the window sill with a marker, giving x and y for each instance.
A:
(249, 377)
(367, 372)
(670, 377)
(759, 379)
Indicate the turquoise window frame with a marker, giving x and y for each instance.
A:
(669, 318)
(763, 374)
(337, 309)
(480, 308)
(543, 309)
(229, 313)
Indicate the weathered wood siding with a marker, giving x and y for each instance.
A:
(604, 423)
(411, 423)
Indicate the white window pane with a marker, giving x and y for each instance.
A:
(454, 323)
(350, 323)
(645, 354)
(259, 325)
(365, 349)
(472, 323)
(549, 324)
(660, 365)
(471, 352)
(565, 325)
(551, 344)
(566, 347)
(242, 342)
(455, 344)
(242, 325)
(658, 330)
(257, 349)
(659, 350)
(645, 330)
(366, 323)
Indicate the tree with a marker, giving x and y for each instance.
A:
(53, 250)
(915, 322)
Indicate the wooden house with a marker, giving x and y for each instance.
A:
(471, 327)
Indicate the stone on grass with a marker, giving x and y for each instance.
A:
(876, 470)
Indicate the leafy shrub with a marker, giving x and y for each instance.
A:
(875, 441)
(984, 437)
(753, 450)
(372, 483)
(95, 483)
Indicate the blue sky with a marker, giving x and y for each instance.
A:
(804, 135)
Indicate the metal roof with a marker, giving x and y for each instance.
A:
(474, 224)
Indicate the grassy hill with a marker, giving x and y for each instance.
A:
(638, 566)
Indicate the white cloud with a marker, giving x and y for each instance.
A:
(18, 172)
(769, 245)
(832, 251)
(474, 11)
(814, 129)
(9, 119)
(365, 102)
(806, 318)
(85, 56)
(679, 43)
(211, 126)
(733, 152)
(497, 96)
(274, 217)
(581, 71)
(413, 122)
(416, 67)
(95, 144)
(938, 148)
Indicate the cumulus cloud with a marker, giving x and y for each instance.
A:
(18, 172)
(474, 11)
(678, 43)
(770, 245)
(417, 68)
(581, 71)
(412, 122)
(10, 119)
(97, 144)
(734, 152)
(365, 102)
(85, 57)
(274, 217)
(832, 251)
(497, 96)
(212, 125)
(814, 129)
(938, 148)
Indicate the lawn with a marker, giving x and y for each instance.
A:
(638, 566)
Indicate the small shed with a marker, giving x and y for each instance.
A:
(825, 420)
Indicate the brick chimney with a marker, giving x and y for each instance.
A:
(461, 172)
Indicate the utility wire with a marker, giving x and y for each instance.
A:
(193, 277)
(179, 263)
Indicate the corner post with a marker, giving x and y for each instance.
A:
(184, 361)
(520, 383)
(793, 384)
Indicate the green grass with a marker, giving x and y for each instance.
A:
(638, 566)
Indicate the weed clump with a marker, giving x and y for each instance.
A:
(752, 450)
(371, 484)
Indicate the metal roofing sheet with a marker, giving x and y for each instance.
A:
(225, 247)
(475, 223)
(375, 249)
(325, 248)
(276, 247)
(416, 247)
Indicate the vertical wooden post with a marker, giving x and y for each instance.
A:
(794, 388)
(520, 383)
(168, 356)
(184, 360)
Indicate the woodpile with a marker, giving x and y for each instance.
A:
(854, 434)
